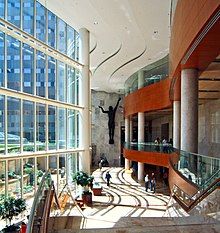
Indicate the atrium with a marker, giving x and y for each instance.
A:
(64, 64)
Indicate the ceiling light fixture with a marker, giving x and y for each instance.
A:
(95, 23)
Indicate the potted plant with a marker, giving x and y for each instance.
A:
(9, 208)
(85, 181)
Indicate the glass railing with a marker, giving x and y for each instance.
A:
(37, 206)
(149, 146)
(199, 169)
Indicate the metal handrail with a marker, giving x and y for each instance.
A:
(35, 202)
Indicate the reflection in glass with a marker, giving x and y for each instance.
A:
(71, 85)
(62, 128)
(14, 177)
(72, 161)
(14, 12)
(40, 22)
(70, 42)
(28, 126)
(40, 126)
(2, 179)
(2, 59)
(77, 38)
(28, 177)
(71, 129)
(52, 127)
(51, 29)
(51, 78)
(28, 69)
(61, 31)
(2, 125)
(2, 9)
(62, 171)
(40, 74)
(13, 63)
(61, 81)
(41, 168)
(14, 125)
(28, 16)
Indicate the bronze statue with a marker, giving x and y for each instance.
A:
(111, 120)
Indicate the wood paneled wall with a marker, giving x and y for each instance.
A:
(149, 98)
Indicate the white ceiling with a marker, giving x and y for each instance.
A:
(131, 27)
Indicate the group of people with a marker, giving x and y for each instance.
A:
(150, 182)
(167, 146)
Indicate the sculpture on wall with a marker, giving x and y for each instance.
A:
(111, 120)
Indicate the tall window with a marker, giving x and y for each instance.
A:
(51, 78)
(71, 85)
(28, 126)
(61, 43)
(70, 42)
(14, 12)
(2, 124)
(28, 16)
(41, 74)
(40, 22)
(28, 69)
(61, 81)
(2, 59)
(51, 29)
(14, 125)
(52, 127)
(71, 143)
(13, 63)
(62, 128)
(2, 9)
(40, 126)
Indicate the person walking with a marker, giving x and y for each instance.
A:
(153, 185)
(100, 165)
(146, 179)
(108, 177)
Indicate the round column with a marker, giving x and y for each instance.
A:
(176, 124)
(127, 139)
(84, 100)
(140, 139)
(140, 126)
(131, 129)
(189, 110)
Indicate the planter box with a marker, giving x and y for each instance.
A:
(97, 191)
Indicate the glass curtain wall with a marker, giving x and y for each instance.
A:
(39, 116)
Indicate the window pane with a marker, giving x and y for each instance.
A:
(61, 43)
(13, 63)
(2, 176)
(61, 81)
(51, 78)
(41, 168)
(28, 170)
(77, 46)
(28, 69)
(28, 16)
(14, 177)
(51, 29)
(2, 124)
(28, 126)
(40, 22)
(71, 85)
(2, 59)
(14, 125)
(14, 8)
(40, 74)
(70, 42)
(52, 127)
(62, 171)
(2, 9)
(71, 129)
(40, 126)
(62, 128)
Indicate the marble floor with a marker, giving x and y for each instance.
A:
(124, 207)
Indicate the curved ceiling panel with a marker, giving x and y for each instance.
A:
(131, 23)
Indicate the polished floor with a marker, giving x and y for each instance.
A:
(124, 207)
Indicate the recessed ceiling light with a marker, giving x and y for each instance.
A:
(95, 23)
(155, 32)
(103, 52)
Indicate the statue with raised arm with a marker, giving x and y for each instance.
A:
(111, 120)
